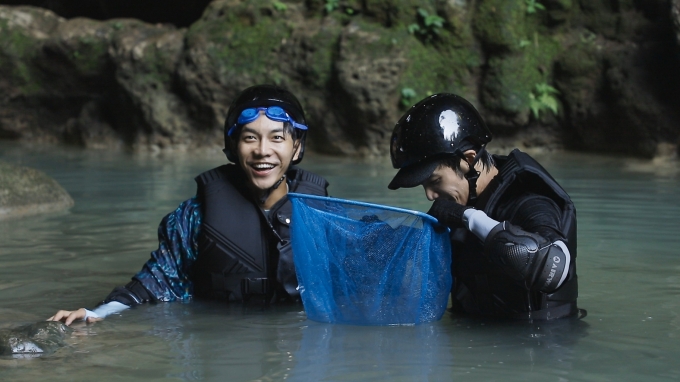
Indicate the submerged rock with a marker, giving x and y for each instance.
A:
(37, 339)
(26, 191)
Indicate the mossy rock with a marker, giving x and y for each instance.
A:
(388, 13)
(607, 18)
(501, 24)
(308, 55)
(22, 33)
(83, 45)
(33, 340)
(511, 79)
(25, 191)
(241, 39)
(450, 65)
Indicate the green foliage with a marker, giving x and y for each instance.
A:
(523, 43)
(534, 6)
(428, 26)
(435, 69)
(588, 37)
(332, 5)
(279, 6)
(543, 97)
(407, 97)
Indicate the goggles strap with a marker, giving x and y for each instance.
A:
(284, 118)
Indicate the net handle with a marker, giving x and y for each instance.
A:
(365, 204)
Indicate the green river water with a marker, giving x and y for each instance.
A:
(628, 265)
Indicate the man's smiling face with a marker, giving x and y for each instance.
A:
(265, 151)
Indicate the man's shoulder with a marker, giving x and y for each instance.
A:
(307, 182)
(226, 171)
(302, 175)
(520, 174)
(516, 161)
(514, 154)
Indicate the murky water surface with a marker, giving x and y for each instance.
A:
(628, 263)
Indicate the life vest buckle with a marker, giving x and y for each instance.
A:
(255, 286)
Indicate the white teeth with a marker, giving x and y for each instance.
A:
(262, 166)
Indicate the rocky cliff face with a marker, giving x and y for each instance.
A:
(587, 74)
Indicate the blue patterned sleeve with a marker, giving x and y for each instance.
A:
(166, 275)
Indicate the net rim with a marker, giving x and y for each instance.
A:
(365, 204)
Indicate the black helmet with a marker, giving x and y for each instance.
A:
(442, 125)
(259, 96)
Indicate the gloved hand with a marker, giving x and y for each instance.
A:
(448, 212)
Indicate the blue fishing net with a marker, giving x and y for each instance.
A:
(367, 264)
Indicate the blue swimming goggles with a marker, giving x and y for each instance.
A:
(275, 113)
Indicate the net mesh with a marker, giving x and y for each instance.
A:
(367, 264)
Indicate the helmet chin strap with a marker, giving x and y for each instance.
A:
(472, 175)
(271, 189)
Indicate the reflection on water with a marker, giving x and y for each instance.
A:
(629, 268)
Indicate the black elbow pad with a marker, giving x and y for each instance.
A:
(554, 268)
(526, 256)
(131, 294)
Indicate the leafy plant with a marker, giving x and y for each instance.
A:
(587, 37)
(523, 43)
(534, 6)
(428, 26)
(543, 97)
(332, 5)
(413, 28)
(279, 6)
(407, 96)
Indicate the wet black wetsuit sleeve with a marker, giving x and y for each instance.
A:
(528, 244)
(131, 294)
(537, 214)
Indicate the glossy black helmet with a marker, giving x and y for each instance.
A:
(263, 96)
(442, 125)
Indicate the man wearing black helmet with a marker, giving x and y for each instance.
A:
(513, 226)
(232, 239)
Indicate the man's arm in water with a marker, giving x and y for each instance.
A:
(530, 248)
(164, 277)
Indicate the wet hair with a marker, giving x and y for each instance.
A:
(291, 131)
(454, 162)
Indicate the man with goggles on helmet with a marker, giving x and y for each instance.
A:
(232, 239)
(513, 227)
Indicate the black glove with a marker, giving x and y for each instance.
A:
(448, 212)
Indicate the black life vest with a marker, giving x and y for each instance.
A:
(242, 251)
(494, 293)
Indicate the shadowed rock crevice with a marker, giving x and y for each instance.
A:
(181, 13)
